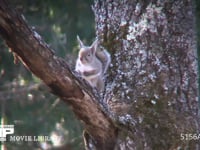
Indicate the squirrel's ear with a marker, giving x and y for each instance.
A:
(94, 46)
(80, 42)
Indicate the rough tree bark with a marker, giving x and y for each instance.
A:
(151, 92)
(152, 85)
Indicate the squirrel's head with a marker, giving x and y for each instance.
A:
(87, 53)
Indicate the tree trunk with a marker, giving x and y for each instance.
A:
(152, 84)
(151, 89)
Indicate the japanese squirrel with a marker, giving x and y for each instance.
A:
(92, 63)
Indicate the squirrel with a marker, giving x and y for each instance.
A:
(92, 63)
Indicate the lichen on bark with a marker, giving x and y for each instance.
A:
(153, 76)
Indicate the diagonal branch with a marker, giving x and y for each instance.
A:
(35, 54)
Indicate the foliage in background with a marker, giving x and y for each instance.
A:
(24, 100)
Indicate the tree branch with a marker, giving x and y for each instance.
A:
(35, 54)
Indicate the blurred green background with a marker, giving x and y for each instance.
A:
(24, 100)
